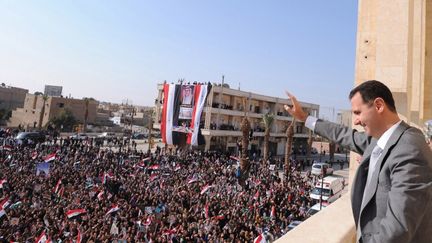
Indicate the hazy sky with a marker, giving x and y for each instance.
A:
(118, 50)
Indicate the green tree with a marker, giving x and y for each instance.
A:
(65, 119)
(5, 114)
(267, 120)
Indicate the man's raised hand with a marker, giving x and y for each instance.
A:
(296, 110)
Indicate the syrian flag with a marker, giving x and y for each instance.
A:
(154, 167)
(235, 158)
(57, 187)
(260, 239)
(75, 212)
(256, 196)
(60, 192)
(50, 157)
(7, 147)
(79, 237)
(206, 211)
(5, 203)
(192, 180)
(219, 217)
(171, 113)
(200, 95)
(153, 177)
(140, 165)
(106, 176)
(205, 189)
(34, 155)
(113, 209)
(273, 212)
(145, 159)
(2, 182)
(170, 232)
(15, 205)
(162, 184)
(177, 168)
(100, 195)
(148, 221)
(43, 238)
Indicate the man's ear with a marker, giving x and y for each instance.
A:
(379, 104)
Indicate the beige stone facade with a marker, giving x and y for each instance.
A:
(12, 97)
(222, 125)
(29, 115)
(393, 42)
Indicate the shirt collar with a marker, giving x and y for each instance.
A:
(382, 141)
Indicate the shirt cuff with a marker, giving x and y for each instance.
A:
(310, 122)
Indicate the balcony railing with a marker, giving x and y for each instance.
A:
(334, 224)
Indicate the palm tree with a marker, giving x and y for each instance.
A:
(288, 147)
(87, 102)
(244, 160)
(42, 112)
(268, 121)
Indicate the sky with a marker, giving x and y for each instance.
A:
(119, 50)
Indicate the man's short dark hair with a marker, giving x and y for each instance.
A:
(372, 89)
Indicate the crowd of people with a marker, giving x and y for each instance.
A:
(90, 193)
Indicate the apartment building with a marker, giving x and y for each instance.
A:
(223, 114)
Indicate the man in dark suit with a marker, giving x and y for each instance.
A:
(391, 194)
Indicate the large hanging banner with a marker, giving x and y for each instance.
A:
(181, 114)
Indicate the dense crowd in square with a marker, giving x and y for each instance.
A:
(93, 193)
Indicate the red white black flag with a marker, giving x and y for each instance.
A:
(181, 114)
(2, 182)
(50, 157)
(75, 212)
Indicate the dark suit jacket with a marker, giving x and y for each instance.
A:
(398, 202)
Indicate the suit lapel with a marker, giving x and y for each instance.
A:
(360, 181)
(371, 189)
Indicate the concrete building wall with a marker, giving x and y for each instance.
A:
(12, 97)
(30, 113)
(392, 45)
(76, 106)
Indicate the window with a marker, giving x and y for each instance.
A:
(61, 105)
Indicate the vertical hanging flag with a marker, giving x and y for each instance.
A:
(201, 92)
(181, 112)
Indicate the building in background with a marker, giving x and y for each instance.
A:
(11, 97)
(223, 114)
(51, 90)
(29, 116)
